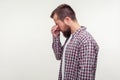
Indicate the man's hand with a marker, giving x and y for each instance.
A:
(55, 31)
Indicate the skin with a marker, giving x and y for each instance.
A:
(64, 26)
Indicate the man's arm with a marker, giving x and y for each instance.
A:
(88, 61)
(56, 45)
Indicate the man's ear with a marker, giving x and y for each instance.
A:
(67, 20)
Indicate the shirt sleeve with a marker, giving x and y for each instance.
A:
(57, 47)
(88, 60)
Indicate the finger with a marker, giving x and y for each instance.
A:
(54, 27)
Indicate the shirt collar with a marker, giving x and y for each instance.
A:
(82, 28)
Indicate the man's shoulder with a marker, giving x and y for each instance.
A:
(84, 36)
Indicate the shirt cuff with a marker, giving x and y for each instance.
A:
(56, 39)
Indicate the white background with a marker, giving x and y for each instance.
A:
(25, 37)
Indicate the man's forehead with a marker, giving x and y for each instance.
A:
(55, 17)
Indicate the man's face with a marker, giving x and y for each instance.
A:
(65, 29)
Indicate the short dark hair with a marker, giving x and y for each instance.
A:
(64, 10)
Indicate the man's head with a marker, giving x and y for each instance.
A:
(63, 15)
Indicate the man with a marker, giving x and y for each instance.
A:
(79, 53)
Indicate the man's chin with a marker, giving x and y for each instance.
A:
(67, 34)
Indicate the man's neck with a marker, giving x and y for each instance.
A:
(74, 27)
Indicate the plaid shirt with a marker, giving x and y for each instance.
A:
(80, 56)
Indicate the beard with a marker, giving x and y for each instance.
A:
(67, 33)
